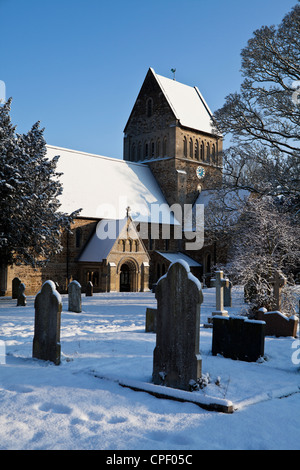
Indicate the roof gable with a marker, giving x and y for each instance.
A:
(106, 237)
(186, 103)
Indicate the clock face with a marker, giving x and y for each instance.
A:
(200, 172)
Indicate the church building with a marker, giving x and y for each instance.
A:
(171, 156)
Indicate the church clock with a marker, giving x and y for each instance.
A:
(200, 172)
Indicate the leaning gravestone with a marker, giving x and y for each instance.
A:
(89, 289)
(176, 360)
(74, 295)
(15, 287)
(46, 341)
(21, 295)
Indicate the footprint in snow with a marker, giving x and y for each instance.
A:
(55, 408)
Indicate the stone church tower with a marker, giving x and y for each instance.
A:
(170, 130)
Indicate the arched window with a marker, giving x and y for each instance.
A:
(152, 149)
(146, 150)
(165, 149)
(202, 151)
(185, 147)
(191, 148)
(158, 148)
(207, 152)
(197, 150)
(213, 153)
(149, 106)
(136, 246)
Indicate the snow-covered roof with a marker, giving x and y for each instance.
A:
(173, 257)
(104, 187)
(187, 103)
(102, 242)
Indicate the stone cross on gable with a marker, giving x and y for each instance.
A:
(278, 281)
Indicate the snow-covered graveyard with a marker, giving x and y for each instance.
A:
(81, 405)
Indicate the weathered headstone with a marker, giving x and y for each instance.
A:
(176, 360)
(89, 289)
(74, 295)
(21, 295)
(278, 324)
(238, 338)
(278, 281)
(46, 341)
(151, 315)
(227, 295)
(15, 287)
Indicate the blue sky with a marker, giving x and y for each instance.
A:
(77, 65)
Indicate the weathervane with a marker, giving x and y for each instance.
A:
(173, 71)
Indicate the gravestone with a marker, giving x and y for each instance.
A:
(219, 282)
(15, 287)
(74, 295)
(176, 359)
(227, 295)
(21, 295)
(46, 341)
(238, 338)
(151, 315)
(278, 281)
(89, 289)
(278, 324)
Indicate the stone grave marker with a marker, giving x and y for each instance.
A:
(89, 289)
(15, 287)
(151, 315)
(278, 281)
(176, 359)
(278, 324)
(74, 296)
(21, 295)
(46, 341)
(227, 295)
(219, 282)
(238, 338)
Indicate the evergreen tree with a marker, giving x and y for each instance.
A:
(30, 221)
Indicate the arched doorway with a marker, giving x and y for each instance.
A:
(125, 281)
(128, 275)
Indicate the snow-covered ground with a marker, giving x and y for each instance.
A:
(43, 406)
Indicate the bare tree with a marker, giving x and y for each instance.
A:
(263, 119)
